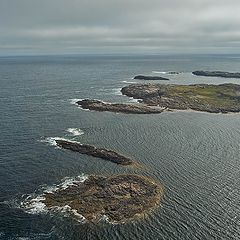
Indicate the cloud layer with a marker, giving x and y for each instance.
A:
(154, 26)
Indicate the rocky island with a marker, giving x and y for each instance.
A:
(135, 108)
(90, 150)
(173, 73)
(142, 77)
(118, 199)
(216, 74)
(221, 98)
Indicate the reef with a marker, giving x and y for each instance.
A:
(173, 73)
(221, 98)
(142, 77)
(134, 108)
(118, 199)
(217, 74)
(90, 150)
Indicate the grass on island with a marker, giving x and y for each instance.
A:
(225, 94)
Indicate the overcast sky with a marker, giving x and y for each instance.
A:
(119, 26)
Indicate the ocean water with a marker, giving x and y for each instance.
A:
(194, 155)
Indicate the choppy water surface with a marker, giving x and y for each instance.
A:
(194, 155)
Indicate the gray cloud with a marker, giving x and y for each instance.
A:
(155, 26)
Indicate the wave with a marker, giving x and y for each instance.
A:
(131, 82)
(67, 211)
(75, 131)
(75, 100)
(159, 72)
(134, 100)
(117, 91)
(31, 236)
(169, 72)
(33, 203)
(52, 141)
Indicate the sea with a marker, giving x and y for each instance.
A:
(194, 155)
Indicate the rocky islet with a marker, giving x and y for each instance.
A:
(119, 198)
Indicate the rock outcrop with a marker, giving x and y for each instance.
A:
(221, 98)
(135, 108)
(217, 74)
(90, 150)
(142, 77)
(118, 199)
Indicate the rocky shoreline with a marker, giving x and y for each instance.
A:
(119, 199)
(223, 98)
(217, 74)
(90, 150)
(142, 77)
(127, 108)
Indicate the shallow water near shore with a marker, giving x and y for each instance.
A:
(194, 155)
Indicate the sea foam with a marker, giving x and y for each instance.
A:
(117, 91)
(52, 141)
(131, 82)
(159, 72)
(75, 131)
(75, 100)
(33, 203)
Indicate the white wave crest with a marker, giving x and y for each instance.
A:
(129, 82)
(34, 203)
(71, 181)
(159, 72)
(67, 211)
(134, 100)
(117, 91)
(75, 131)
(75, 100)
(52, 141)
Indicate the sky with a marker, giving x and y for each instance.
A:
(119, 26)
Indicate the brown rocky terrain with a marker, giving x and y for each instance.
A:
(120, 198)
(134, 108)
(90, 150)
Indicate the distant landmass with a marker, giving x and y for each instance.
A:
(221, 98)
(142, 77)
(156, 98)
(217, 74)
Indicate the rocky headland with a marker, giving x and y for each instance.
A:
(221, 98)
(142, 77)
(134, 108)
(217, 74)
(118, 199)
(90, 150)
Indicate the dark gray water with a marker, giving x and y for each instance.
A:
(194, 155)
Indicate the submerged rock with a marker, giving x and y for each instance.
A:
(135, 108)
(90, 150)
(217, 74)
(173, 73)
(118, 199)
(142, 77)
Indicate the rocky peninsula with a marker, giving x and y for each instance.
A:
(90, 150)
(221, 98)
(135, 108)
(142, 77)
(217, 74)
(118, 199)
